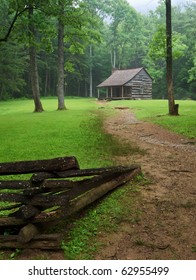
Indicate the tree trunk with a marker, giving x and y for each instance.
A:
(60, 69)
(90, 73)
(33, 63)
(173, 109)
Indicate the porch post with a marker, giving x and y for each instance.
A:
(107, 92)
(98, 94)
(122, 91)
(111, 93)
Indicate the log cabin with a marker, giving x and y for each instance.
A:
(126, 84)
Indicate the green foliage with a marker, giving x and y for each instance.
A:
(192, 71)
(122, 32)
(13, 60)
(157, 48)
(194, 248)
(118, 35)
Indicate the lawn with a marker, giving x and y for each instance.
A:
(78, 132)
(26, 135)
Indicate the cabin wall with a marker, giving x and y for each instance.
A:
(141, 86)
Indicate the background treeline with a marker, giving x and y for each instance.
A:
(98, 36)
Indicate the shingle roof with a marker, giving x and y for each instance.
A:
(120, 77)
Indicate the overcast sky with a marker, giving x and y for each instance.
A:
(144, 6)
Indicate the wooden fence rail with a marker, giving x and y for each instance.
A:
(56, 189)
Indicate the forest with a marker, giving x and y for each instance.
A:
(67, 47)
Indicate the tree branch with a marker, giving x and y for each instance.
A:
(5, 39)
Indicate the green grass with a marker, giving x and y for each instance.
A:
(156, 111)
(78, 131)
(26, 135)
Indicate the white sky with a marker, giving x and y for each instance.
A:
(144, 6)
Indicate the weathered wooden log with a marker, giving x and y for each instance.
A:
(38, 177)
(88, 197)
(94, 171)
(16, 184)
(89, 184)
(51, 185)
(13, 197)
(38, 200)
(40, 241)
(25, 212)
(41, 176)
(27, 233)
(92, 190)
(11, 221)
(49, 200)
(73, 189)
(47, 165)
(40, 218)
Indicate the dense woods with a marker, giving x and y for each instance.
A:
(66, 47)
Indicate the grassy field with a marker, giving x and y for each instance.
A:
(74, 132)
(78, 132)
(25, 135)
(156, 111)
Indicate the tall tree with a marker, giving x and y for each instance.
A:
(123, 29)
(33, 62)
(60, 63)
(173, 108)
(18, 8)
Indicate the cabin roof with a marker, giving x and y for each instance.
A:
(120, 77)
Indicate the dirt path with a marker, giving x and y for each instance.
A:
(167, 228)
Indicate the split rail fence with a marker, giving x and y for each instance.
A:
(56, 189)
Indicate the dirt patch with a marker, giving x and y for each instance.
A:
(167, 225)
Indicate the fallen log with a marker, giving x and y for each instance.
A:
(77, 198)
(88, 197)
(40, 218)
(25, 212)
(27, 233)
(89, 184)
(12, 197)
(51, 165)
(15, 184)
(40, 241)
(91, 196)
(41, 176)
(38, 200)
(94, 171)
(51, 186)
